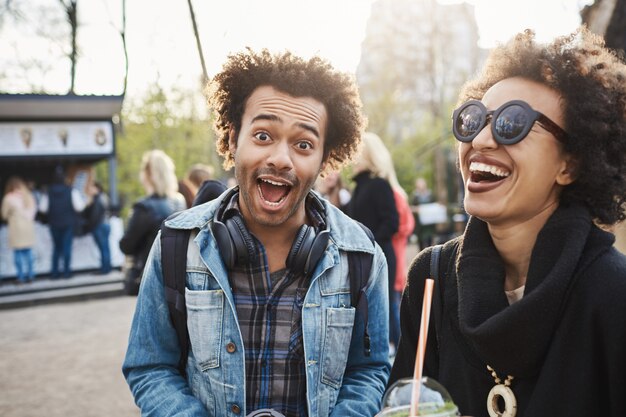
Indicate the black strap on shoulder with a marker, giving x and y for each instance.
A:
(174, 265)
(359, 266)
(435, 262)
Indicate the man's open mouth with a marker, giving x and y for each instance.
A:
(273, 192)
(480, 172)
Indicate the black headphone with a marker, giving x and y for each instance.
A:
(237, 246)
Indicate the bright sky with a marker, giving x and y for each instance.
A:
(161, 43)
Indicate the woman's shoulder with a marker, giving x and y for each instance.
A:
(420, 267)
(606, 275)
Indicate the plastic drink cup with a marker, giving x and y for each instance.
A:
(434, 400)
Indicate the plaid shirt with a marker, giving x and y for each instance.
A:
(269, 311)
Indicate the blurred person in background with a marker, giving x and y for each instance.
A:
(331, 187)
(406, 225)
(422, 195)
(62, 204)
(18, 210)
(529, 306)
(209, 190)
(196, 175)
(373, 203)
(187, 191)
(158, 178)
(95, 215)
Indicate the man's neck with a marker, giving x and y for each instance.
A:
(277, 240)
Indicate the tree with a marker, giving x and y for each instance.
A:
(414, 59)
(71, 14)
(205, 74)
(122, 32)
(415, 56)
(607, 18)
(173, 121)
(27, 69)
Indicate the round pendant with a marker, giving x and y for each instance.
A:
(510, 403)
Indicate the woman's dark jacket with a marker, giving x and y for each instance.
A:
(564, 342)
(374, 205)
(143, 226)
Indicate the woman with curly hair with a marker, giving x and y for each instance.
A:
(528, 309)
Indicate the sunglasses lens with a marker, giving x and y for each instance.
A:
(468, 122)
(512, 122)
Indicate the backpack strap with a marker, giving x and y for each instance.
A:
(359, 267)
(174, 265)
(435, 256)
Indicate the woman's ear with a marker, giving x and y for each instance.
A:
(568, 172)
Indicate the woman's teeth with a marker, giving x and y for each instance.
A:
(479, 167)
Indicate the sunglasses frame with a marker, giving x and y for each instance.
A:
(487, 116)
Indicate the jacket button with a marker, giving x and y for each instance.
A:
(230, 348)
(235, 409)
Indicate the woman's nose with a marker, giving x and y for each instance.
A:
(485, 139)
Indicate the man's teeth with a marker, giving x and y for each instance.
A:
(493, 170)
(278, 184)
(275, 204)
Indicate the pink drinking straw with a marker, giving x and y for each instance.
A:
(421, 346)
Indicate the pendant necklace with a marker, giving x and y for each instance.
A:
(501, 390)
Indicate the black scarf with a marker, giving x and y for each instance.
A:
(513, 339)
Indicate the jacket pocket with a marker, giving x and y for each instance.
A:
(339, 323)
(205, 313)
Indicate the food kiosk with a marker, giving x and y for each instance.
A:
(38, 134)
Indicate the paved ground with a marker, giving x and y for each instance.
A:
(65, 359)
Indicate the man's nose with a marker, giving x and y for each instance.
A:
(280, 156)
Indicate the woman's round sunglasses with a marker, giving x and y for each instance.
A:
(511, 122)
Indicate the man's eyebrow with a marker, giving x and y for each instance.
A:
(270, 117)
(274, 118)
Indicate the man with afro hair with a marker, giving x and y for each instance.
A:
(271, 324)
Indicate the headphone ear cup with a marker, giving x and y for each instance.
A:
(224, 243)
(314, 254)
(244, 245)
(233, 240)
(296, 260)
(307, 249)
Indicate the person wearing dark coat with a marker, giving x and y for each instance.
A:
(159, 180)
(62, 205)
(209, 190)
(528, 317)
(374, 205)
(95, 215)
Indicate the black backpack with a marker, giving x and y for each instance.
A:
(174, 265)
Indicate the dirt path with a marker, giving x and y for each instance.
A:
(65, 360)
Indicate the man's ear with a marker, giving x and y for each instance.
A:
(232, 140)
(322, 170)
(568, 172)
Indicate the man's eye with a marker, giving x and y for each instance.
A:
(262, 136)
(305, 145)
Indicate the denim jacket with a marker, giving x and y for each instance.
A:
(341, 380)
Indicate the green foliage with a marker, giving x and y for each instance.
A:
(175, 122)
